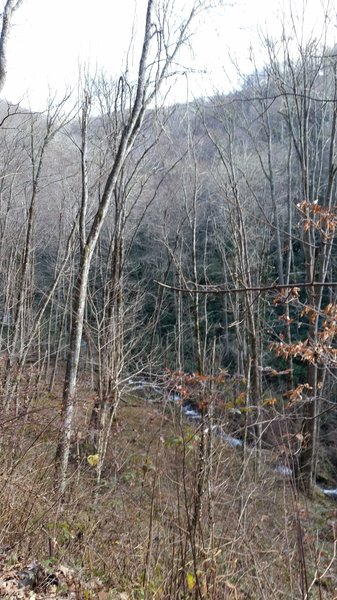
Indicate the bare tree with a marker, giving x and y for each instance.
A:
(158, 53)
(307, 88)
(11, 6)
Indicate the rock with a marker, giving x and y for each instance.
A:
(30, 576)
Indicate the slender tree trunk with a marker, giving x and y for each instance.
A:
(145, 91)
(7, 20)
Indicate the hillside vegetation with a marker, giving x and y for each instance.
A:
(147, 530)
(159, 263)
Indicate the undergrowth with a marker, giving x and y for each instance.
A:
(178, 513)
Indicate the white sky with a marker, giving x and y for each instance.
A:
(51, 38)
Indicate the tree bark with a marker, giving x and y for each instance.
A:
(7, 19)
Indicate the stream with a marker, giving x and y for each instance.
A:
(193, 415)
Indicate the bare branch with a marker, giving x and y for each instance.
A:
(260, 289)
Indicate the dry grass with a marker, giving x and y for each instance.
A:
(146, 532)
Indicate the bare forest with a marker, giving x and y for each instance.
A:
(168, 331)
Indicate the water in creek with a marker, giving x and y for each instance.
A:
(193, 414)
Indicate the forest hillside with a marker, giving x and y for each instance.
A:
(168, 324)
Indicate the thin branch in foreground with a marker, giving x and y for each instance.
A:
(295, 287)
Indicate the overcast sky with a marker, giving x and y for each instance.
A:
(51, 38)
